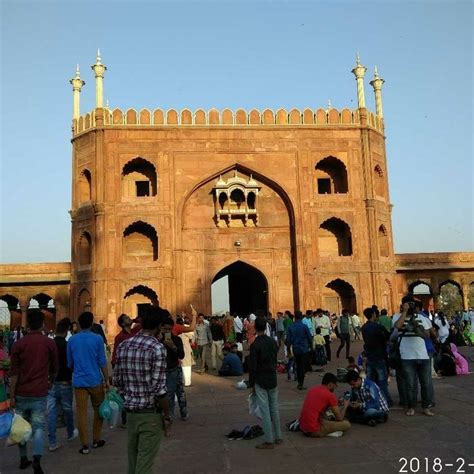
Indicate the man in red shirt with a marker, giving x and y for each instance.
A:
(317, 401)
(125, 322)
(34, 363)
(181, 328)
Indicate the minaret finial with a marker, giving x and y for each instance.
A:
(99, 70)
(359, 73)
(377, 83)
(77, 84)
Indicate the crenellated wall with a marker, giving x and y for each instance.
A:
(227, 117)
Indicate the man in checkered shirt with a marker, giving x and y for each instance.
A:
(368, 405)
(140, 377)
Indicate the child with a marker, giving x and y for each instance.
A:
(320, 358)
(290, 365)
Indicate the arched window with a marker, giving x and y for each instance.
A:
(236, 199)
(379, 183)
(84, 187)
(384, 247)
(335, 239)
(84, 249)
(331, 176)
(140, 242)
(139, 179)
(138, 299)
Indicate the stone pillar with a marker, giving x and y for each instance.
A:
(377, 83)
(77, 84)
(359, 72)
(99, 70)
(465, 296)
(24, 313)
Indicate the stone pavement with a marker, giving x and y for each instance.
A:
(199, 445)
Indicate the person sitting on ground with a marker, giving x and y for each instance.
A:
(317, 401)
(351, 365)
(368, 404)
(231, 365)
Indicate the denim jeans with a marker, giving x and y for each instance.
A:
(33, 409)
(60, 395)
(267, 401)
(175, 386)
(378, 373)
(418, 370)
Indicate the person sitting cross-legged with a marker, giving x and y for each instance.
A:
(231, 364)
(317, 401)
(368, 405)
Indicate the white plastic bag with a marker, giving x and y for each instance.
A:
(20, 431)
(115, 415)
(241, 385)
(254, 409)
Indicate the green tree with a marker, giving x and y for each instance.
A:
(450, 299)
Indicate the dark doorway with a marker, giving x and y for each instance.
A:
(248, 289)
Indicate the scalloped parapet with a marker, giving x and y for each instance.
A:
(187, 118)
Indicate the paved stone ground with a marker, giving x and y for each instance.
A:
(216, 407)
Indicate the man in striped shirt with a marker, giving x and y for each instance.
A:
(140, 377)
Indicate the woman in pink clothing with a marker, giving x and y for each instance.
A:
(462, 367)
(249, 326)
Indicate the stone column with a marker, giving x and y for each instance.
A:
(99, 70)
(77, 84)
(359, 72)
(377, 83)
(465, 296)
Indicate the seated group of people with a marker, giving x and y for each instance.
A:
(232, 362)
(364, 403)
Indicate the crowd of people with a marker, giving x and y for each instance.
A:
(152, 358)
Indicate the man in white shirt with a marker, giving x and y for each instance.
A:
(356, 327)
(323, 322)
(413, 328)
(238, 328)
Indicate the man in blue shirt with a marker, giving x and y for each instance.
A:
(299, 342)
(231, 364)
(86, 359)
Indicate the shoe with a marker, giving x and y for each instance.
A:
(265, 446)
(37, 467)
(300, 387)
(24, 463)
(98, 444)
(372, 423)
(185, 417)
(54, 447)
(75, 434)
(235, 435)
(335, 434)
(279, 441)
(428, 412)
(410, 412)
(84, 450)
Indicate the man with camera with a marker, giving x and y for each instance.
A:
(413, 328)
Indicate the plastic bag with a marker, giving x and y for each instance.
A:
(115, 414)
(105, 411)
(20, 431)
(254, 409)
(241, 385)
(6, 420)
(114, 396)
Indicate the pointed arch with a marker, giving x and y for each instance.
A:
(384, 246)
(331, 176)
(84, 189)
(338, 295)
(140, 242)
(139, 178)
(137, 299)
(334, 238)
(84, 249)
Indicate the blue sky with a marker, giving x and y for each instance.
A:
(239, 54)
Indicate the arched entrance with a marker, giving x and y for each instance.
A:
(247, 289)
(339, 295)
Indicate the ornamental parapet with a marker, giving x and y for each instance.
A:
(227, 118)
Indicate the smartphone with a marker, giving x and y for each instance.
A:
(167, 336)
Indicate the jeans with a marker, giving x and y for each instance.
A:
(301, 361)
(378, 373)
(60, 395)
(175, 387)
(414, 370)
(33, 409)
(144, 436)
(345, 338)
(327, 340)
(203, 355)
(267, 400)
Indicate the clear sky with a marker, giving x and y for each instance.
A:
(239, 54)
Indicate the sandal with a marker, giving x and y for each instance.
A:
(265, 446)
(84, 450)
(98, 444)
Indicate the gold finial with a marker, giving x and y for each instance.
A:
(107, 103)
(98, 59)
(357, 59)
(329, 104)
(376, 73)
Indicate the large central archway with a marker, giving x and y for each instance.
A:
(247, 289)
